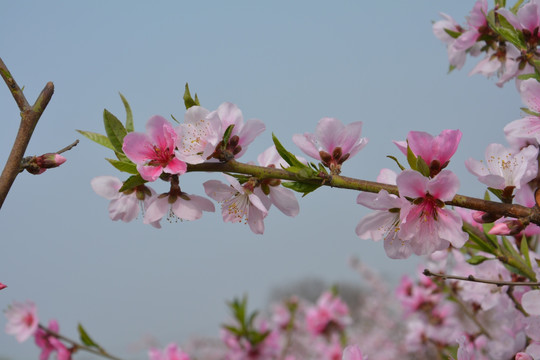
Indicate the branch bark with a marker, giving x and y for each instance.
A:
(30, 115)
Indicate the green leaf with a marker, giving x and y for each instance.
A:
(524, 248)
(530, 112)
(497, 192)
(486, 196)
(97, 138)
(508, 246)
(422, 166)
(397, 162)
(411, 158)
(172, 116)
(129, 115)
(132, 182)
(188, 100)
(301, 187)
(121, 157)
(527, 76)
(128, 167)
(491, 238)
(287, 156)
(516, 6)
(86, 339)
(115, 130)
(451, 68)
(477, 240)
(452, 33)
(475, 260)
(227, 135)
(506, 31)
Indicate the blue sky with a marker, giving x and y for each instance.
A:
(286, 63)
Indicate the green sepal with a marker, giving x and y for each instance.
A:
(188, 100)
(132, 182)
(127, 167)
(227, 135)
(527, 76)
(86, 339)
(115, 130)
(486, 196)
(300, 187)
(497, 192)
(422, 166)
(451, 68)
(129, 115)
(453, 34)
(530, 112)
(241, 178)
(397, 162)
(477, 259)
(524, 248)
(97, 138)
(287, 156)
(411, 158)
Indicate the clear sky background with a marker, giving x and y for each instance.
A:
(288, 63)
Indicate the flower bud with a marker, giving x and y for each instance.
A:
(483, 217)
(2, 286)
(50, 160)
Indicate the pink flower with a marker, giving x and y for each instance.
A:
(527, 18)
(426, 223)
(171, 352)
(2, 286)
(154, 152)
(183, 206)
(330, 313)
(22, 320)
(240, 348)
(125, 205)
(435, 151)
(505, 167)
(230, 114)
(456, 57)
(48, 343)
(525, 131)
(332, 142)
(239, 203)
(198, 135)
(280, 196)
(353, 352)
(476, 20)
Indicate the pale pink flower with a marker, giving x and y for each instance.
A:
(183, 206)
(505, 167)
(22, 320)
(230, 114)
(505, 63)
(154, 152)
(456, 57)
(525, 131)
(476, 21)
(329, 313)
(332, 142)
(283, 198)
(435, 151)
(353, 352)
(48, 343)
(527, 17)
(171, 352)
(126, 205)
(239, 203)
(199, 135)
(426, 223)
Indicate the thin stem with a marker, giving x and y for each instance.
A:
(69, 147)
(485, 281)
(77, 345)
(29, 118)
(343, 182)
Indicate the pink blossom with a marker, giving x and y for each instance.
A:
(525, 131)
(183, 206)
(505, 167)
(527, 17)
(332, 142)
(456, 57)
(426, 223)
(239, 203)
(48, 343)
(125, 205)
(435, 151)
(241, 349)
(283, 198)
(353, 352)
(171, 352)
(22, 320)
(476, 21)
(230, 114)
(523, 356)
(505, 62)
(329, 313)
(154, 152)
(198, 135)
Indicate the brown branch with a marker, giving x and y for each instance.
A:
(29, 118)
(485, 281)
(77, 345)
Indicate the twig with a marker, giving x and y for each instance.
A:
(69, 147)
(29, 118)
(474, 279)
(77, 345)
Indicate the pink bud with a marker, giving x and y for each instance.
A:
(523, 356)
(510, 227)
(483, 217)
(50, 160)
(2, 286)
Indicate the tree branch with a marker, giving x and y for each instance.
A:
(29, 118)
(485, 281)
